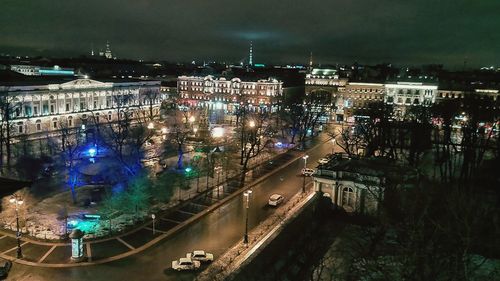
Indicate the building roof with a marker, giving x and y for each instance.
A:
(379, 167)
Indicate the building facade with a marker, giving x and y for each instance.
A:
(33, 70)
(42, 108)
(221, 94)
(359, 185)
(406, 94)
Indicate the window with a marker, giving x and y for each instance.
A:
(35, 110)
(38, 126)
(67, 107)
(54, 123)
(20, 127)
(348, 199)
(51, 108)
(70, 121)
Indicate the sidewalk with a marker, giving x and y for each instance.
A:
(49, 254)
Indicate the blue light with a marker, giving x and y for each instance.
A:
(56, 72)
(188, 169)
(279, 144)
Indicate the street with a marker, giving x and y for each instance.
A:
(214, 233)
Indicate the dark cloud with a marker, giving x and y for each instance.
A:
(425, 31)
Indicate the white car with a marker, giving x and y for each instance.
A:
(200, 256)
(323, 160)
(185, 264)
(307, 172)
(275, 199)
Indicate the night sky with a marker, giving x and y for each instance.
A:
(336, 31)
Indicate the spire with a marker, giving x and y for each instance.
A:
(250, 56)
(92, 49)
(311, 61)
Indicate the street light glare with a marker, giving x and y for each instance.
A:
(305, 157)
(192, 119)
(251, 124)
(12, 200)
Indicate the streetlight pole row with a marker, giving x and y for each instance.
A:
(17, 201)
(246, 198)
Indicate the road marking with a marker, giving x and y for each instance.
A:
(125, 243)
(10, 250)
(156, 230)
(169, 220)
(89, 252)
(47, 254)
(192, 214)
(3, 237)
(199, 204)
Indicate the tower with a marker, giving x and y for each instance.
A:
(92, 49)
(108, 53)
(311, 62)
(250, 55)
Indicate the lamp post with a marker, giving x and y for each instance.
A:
(304, 181)
(17, 201)
(246, 198)
(333, 146)
(153, 217)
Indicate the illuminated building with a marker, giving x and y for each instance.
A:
(219, 93)
(42, 107)
(33, 70)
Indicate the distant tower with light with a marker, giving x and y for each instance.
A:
(92, 49)
(311, 62)
(108, 53)
(250, 55)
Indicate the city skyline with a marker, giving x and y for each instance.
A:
(447, 32)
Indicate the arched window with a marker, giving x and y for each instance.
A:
(38, 125)
(408, 101)
(54, 123)
(348, 199)
(70, 121)
(416, 102)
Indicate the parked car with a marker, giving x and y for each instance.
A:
(4, 270)
(307, 172)
(323, 160)
(185, 264)
(200, 256)
(275, 199)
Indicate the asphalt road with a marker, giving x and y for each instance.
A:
(214, 233)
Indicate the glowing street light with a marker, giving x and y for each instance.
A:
(304, 181)
(17, 201)
(164, 130)
(218, 132)
(333, 145)
(246, 198)
(251, 124)
(192, 119)
(151, 125)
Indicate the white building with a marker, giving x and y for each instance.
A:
(406, 94)
(359, 185)
(40, 107)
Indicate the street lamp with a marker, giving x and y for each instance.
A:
(151, 125)
(17, 201)
(304, 181)
(333, 145)
(251, 124)
(246, 198)
(192, 119)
